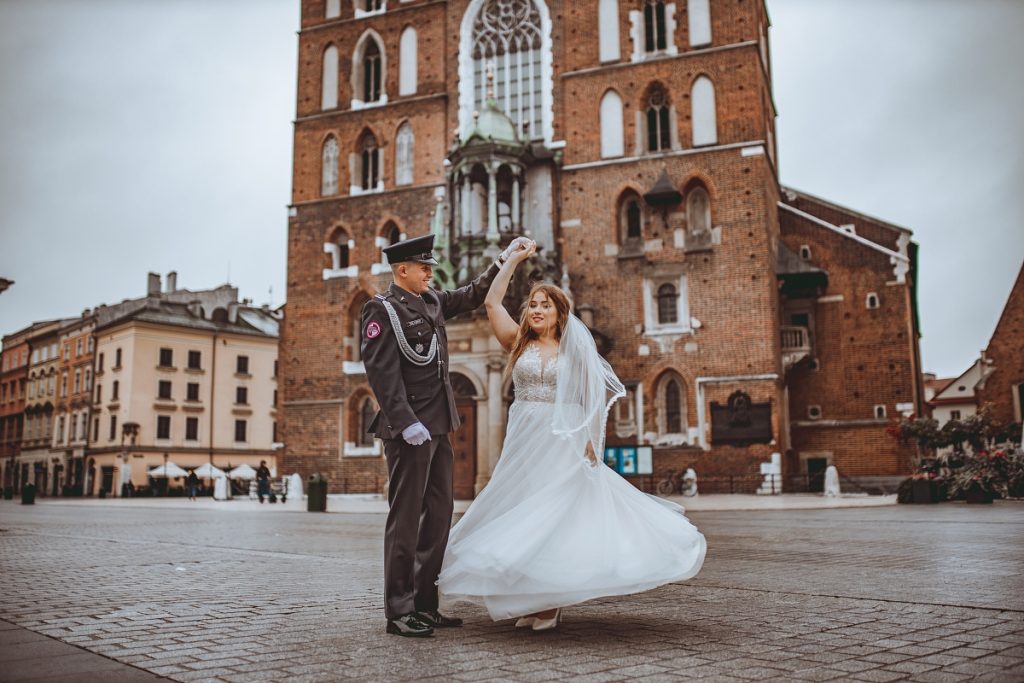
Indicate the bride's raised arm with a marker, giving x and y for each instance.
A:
(504, 327)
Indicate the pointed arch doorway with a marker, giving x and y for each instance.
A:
(464, 438)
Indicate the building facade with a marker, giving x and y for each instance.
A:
(73, 413)
(635, 141)
(181, 376)
(13, 390)
(1003, 384)
(34, 457)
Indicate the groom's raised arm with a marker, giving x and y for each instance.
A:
(470, 297)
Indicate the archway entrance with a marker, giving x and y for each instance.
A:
(464, 439)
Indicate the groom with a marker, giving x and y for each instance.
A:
(405, 352)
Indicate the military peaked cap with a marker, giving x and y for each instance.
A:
(418, 249)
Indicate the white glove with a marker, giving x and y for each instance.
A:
(514, 244)
(416, 434)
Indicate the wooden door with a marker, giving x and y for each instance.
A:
(464, 449)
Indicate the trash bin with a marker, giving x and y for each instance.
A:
(28, 494)
(8, 492)
(316, 493)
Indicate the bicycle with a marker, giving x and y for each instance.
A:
(676, 482)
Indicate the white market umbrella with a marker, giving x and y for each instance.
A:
(209, 471)
(126, 473)
(242, 472)
(167, 471)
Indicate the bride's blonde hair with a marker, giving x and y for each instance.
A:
(526, 334)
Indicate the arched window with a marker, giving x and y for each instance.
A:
(407, 59)
(369, 71)
(612, 138)
(698, 13)
(655, 33)
(668, 304)
(631, 224)
(329, 167)
(404, 155)
(506, 39)
(367, 411)
(698, 211)
(670, 404)
(705, 124)
(658, 130)
(339, 253)
(608, 30)
(370, 162)
(329, 79)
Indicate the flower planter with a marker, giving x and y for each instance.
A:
(978, 496)
(923, 491)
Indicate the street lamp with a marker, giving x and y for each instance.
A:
(128, 429)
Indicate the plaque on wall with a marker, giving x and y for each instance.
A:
(740, 422)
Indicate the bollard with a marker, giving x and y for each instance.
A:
(316, 493)
(28, 494)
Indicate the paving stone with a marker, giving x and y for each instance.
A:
(298, 598)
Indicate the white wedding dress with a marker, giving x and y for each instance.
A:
(550, 529)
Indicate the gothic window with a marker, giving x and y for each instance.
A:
(370, 5)
(329, 79)
(630, 222)
(506, 41)
(339, 259)
(668, 304)
(407, 62)
(369, 158)
(608, 30)
(333, 9)
(404, 159)
(705, 125)
(698, 211)
(670, 405)
(329, 170)
(699, 14)
(368, 71)
(658, 129)
(612, 140)
(371, 72)
(655, 38)
(367, 411)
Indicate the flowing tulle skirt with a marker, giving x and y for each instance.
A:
(549, 530)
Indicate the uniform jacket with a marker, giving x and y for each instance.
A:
(407, 392)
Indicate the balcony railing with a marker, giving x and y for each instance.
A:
(796, 345)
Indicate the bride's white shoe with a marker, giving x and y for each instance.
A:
(547, 624)
(526, 622)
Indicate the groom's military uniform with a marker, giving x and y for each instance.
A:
(405, 351)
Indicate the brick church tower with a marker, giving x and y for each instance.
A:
(634, 140)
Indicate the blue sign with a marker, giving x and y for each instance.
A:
(628, 460)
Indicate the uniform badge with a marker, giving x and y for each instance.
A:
(419, 348)
(372, 329)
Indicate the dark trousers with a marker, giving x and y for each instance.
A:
(420, 498)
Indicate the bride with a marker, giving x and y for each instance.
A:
(555, 526)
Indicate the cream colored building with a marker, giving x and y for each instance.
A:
(183, 377)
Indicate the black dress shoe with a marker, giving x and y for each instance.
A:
(435, 618)
(409, 626)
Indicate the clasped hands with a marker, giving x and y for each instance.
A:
(519, 249)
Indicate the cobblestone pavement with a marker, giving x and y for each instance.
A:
(920, 593)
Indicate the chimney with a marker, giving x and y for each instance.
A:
(195, 307)
(172, 281)
(153, 285)
(233, 312)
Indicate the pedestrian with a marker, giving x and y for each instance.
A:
(405, 351)
(555, 526)
(262, 480)
(192, 483)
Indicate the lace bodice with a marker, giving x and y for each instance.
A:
(534, 379)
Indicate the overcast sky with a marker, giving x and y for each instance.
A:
(138, 136)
